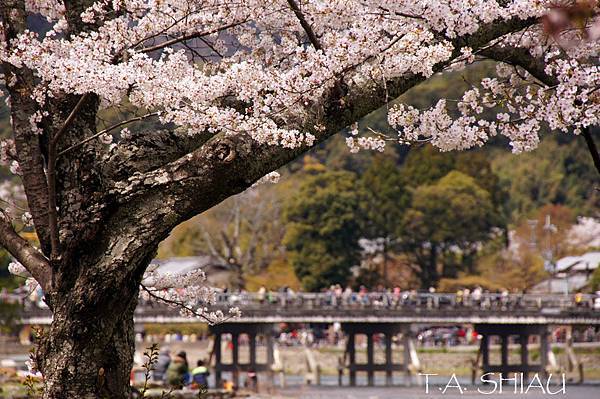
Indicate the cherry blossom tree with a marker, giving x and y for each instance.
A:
(235, 90)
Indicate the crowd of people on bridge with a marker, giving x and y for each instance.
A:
(336, 296)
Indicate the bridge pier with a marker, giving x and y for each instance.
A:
(522, 333)
(389, 330)
(253, 331)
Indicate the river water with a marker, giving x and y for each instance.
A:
(436, 388)
(470, 392)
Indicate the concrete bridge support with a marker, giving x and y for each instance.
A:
(253, 331)
(521, 333)
(389, 330)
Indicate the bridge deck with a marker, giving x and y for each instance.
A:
(379, 308)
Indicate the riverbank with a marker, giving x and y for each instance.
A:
(571, 392)
(437, 360)
(443, 361)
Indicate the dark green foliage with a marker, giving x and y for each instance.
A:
(555, 173)
(385, 198)
(323, 228)
(425, 165)
(453, 211)
(435, 209)
(446, 220)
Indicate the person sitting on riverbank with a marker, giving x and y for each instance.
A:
(178, 371)
(200, 376)
(228, 386)
(251, 381)
(162, 364)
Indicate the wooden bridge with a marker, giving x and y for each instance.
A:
(522, 318)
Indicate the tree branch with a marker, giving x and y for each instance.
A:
(182, 306)
(146, 151)
(520, 57)
(25, 253)
(524, 59)
(67, 123)
(100, 133)
(226, 165)
(305, 25)
(27, 143)
(589, 140)
(191, 36)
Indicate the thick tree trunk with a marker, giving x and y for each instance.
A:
(88, 352)
(89, 355)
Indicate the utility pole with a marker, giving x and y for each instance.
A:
(547, 251)
(533, 239)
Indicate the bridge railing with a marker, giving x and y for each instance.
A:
(405, 300)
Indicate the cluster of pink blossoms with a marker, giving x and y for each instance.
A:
(267, 69)
(254, 51)
(187, 292)
(562, 96)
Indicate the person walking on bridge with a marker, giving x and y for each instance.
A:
(262, 293)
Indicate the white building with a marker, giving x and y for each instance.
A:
(572, 274)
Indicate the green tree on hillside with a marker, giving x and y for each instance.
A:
(383, 205)
(387, 194)
(323, 228)
(554, 173)
(516, 268)
(426, 165)
(446, 219)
